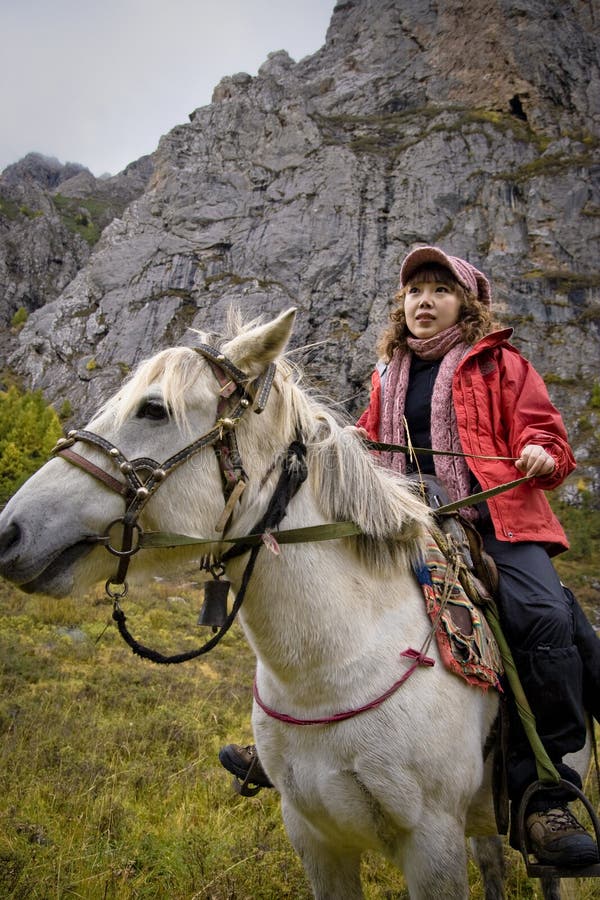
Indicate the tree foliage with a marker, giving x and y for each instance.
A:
(29, 428)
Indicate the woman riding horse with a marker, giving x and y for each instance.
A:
(448, 381)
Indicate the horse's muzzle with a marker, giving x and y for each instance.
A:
(32, 571)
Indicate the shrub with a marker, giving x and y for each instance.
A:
(66, 410)
(83, 216)
(29, 428)
(19, 318)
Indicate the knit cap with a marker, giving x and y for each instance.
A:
(467, 275)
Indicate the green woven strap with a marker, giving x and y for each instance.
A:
(472, 499)
(329, 532)
(545, 768)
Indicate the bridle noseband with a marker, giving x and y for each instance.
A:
(235, 385)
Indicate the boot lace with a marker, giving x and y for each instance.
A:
(561, 818)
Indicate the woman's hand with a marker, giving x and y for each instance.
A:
(534, 460)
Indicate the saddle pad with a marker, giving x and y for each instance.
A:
(473, 656)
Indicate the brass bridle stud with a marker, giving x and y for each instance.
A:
(125, 468)
(142, 493)
(114, 452)
(159, 474)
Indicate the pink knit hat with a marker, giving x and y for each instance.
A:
(466, 274)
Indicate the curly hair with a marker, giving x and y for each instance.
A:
(475, 317)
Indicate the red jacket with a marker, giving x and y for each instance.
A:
(501, 405)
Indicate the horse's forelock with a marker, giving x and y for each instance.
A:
(175, 369)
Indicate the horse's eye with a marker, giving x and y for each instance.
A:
(153, 409)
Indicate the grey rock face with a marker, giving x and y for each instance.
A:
(50, 217)
(471, 125)
(43, 171)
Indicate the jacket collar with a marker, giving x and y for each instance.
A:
(489, 341)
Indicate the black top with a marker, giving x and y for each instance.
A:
(417, 409)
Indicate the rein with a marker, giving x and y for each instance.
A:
(409, 449)
(293, 474)
(153, 540)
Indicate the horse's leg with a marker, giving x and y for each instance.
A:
(550, 887)
(488, 853)
(333, 872)
(434, 859)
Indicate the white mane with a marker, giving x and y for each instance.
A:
(351, 485)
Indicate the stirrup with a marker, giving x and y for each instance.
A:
(537, 869)
(242, 786)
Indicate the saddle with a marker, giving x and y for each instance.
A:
(462, 538)
(458, 578)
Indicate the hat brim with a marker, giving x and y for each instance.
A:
(470, 278)
(423, 255)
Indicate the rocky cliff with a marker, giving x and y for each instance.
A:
(474, 125)
(51, 215)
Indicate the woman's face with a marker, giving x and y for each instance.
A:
(430, 307)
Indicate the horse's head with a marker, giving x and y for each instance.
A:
(148, 456)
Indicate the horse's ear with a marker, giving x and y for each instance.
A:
(253, 350)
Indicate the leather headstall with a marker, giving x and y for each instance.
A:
(143, 476)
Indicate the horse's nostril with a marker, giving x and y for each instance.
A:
(9, 537)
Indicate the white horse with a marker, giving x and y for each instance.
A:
(328, 621)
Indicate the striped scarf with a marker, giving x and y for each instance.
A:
(450, 347)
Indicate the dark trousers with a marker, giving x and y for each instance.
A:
(557, 655)
(586, 641)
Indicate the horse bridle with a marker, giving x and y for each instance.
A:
(137, 491)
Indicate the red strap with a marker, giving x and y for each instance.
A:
(419, 660)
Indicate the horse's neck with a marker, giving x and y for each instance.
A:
(316, 608)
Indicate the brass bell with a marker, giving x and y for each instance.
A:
(214, 608)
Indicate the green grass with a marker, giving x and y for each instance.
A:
(85, 216)
(9, 209)
(109, 776)
(110, 785)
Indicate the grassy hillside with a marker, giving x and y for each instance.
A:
(109, 780)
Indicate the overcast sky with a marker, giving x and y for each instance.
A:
(99, 81)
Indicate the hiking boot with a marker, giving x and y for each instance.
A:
(243, 762)
(558, 839)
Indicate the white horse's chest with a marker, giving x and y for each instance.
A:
(345, 803)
